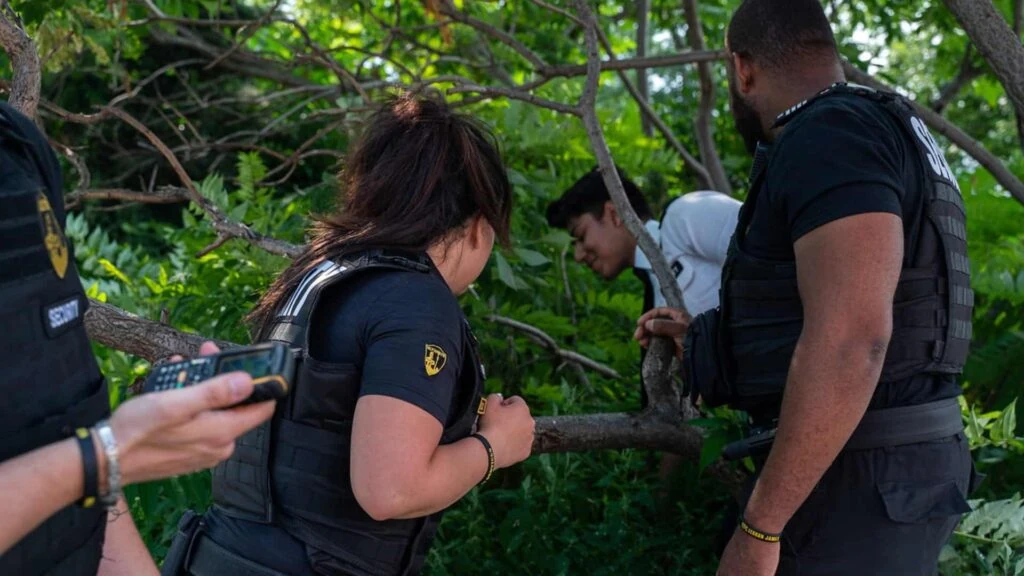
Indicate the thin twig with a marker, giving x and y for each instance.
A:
(545, 340)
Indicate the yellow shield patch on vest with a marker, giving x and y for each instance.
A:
(434, 359)
(53, 238)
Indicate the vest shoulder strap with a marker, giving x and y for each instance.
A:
(292, 319)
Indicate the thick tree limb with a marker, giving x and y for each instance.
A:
(24, 60)
(664, 398)
(705, 123)
(996, 41)
(113, 327)
(545, 340)
(155, 341)
(957, 136)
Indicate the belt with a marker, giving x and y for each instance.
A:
(907, 425)
(207, 558)
(877, 429)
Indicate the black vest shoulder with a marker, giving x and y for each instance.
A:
(53, 384)
(294, 471)
(761, 310)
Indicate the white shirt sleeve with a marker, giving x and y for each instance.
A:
(695, 236)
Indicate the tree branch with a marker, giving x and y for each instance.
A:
(643, 18)
(660, 388)
(162, 195)
(704, 122)
(955, 135)
(24, 60)
(545, 340)
(120, 330)
(154, 341)
(996, 41)
(529, 55)
(664, 61)
(648, 112)
(968, 72)
(673, 296)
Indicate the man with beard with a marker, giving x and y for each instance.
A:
(844, 318)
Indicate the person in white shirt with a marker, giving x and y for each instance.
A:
(693, 234)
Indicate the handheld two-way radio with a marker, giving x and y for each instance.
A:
(271, 365)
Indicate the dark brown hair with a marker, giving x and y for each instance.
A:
(418, 172)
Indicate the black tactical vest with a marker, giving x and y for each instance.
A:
(761, 313)
(294, 470)
(52, 384)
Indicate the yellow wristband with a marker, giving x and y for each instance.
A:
(758, 534)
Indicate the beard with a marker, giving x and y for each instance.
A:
(747, 120)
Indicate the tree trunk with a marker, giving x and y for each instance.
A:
(996, 41)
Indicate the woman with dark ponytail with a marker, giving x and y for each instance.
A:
(386, 425)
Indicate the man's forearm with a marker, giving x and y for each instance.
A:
(830, 384)
(35, 486)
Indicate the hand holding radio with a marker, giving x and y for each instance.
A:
(186, 429)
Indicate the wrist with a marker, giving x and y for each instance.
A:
(101, 464)
(762, 515)
(491, 460)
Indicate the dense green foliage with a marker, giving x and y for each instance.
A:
(592, 513)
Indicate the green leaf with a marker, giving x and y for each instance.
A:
(712, 448)
(557, 238)
(1008, 421)
(211, 186)
(113, 271)
(506, 275)
(531, 257)
(153, 286)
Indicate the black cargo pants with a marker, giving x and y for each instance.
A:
(884, 511)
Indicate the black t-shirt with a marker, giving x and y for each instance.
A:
(391, 325)
(845, 155)
(383, 321)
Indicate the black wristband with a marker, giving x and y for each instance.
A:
(490, 456)
(90, 467)
(761, 535)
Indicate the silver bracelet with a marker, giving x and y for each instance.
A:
(113, 467)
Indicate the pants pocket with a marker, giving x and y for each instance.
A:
(919, 503)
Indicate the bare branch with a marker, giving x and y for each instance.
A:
(957, 136)
(643, 18)
(450, 11)
(704, 122)
(162, 195)
(648, 112)
(673, 296)
(664, 61)
(968, 72)
(996, 41)
(545, 340)
(24, 61)
(515, 94)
